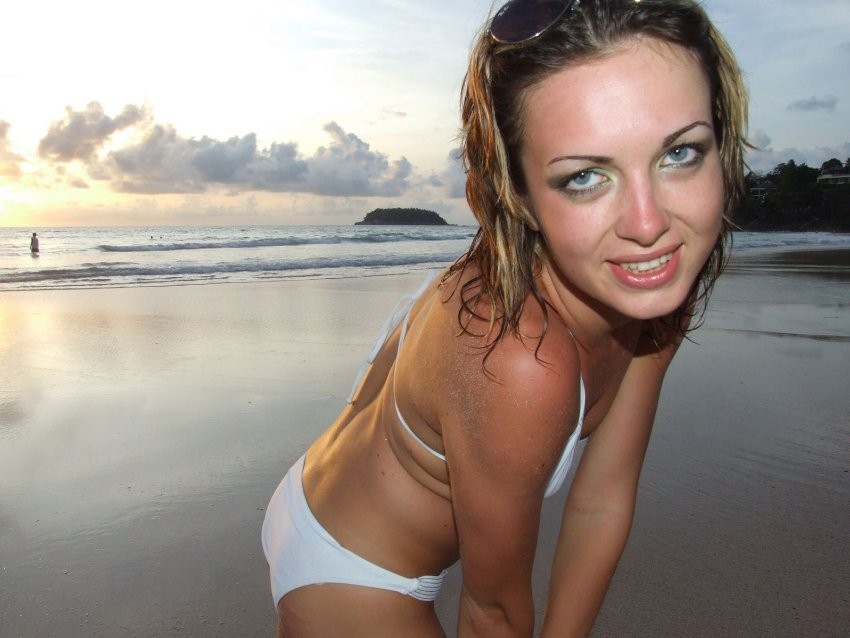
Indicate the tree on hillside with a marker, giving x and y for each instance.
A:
(791, 177)
(789, 197)
(831, 166)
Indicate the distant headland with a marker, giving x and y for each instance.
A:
(402, 217)
(796, 197)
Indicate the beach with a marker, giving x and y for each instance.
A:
(143, 430)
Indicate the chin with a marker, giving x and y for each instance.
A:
(655, 305)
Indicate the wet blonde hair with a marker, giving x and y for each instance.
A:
(506, 248)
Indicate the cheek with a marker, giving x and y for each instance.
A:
(573, 243)
(705, 204)
(716, 202)
(570, 229)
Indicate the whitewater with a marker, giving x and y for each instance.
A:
(168, 256)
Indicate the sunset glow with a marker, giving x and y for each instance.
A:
(312, 111)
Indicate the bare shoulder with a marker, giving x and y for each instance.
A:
(505, 413)
(509, 406)
(540, 362)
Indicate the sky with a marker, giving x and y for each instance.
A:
(315, 111)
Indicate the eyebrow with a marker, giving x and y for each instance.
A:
(601, 159)
(677, 134)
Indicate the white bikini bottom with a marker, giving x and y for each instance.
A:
(301, 552)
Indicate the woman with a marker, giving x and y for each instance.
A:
(603, 145)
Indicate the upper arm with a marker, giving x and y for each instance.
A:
(503, 436)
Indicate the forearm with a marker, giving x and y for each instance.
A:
(601, 504)
(585, 561)
(494, 620)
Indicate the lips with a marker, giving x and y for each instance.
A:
(652, 272)
(645, 266)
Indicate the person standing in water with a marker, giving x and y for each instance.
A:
(34, 244)
(603, 144)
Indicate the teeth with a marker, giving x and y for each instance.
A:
(645, 266)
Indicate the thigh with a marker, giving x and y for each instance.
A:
(350, 611)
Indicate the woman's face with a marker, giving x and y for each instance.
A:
(624, 178)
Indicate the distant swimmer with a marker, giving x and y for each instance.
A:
(34, 243)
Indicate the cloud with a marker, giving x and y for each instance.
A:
(814, 104)
(389, 113)
(348, 166)
(766, 158)
(160, 163)
(80, 134)
(760, 139)
(165, 162)
(158, 160)
(452, 180)
(10, 163)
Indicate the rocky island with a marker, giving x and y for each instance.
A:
(402, 217)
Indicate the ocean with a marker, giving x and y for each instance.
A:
(169, 256)
(163, 256)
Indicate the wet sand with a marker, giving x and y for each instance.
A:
(743, 516)
(142, 432)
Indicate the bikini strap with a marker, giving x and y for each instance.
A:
(400, 312)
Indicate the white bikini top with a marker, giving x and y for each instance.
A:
(398, 316)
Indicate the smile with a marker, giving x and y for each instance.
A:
(646, 266)
(649, 274)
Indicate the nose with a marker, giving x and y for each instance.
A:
(643, 218)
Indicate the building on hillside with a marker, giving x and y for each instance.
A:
(762, 188)
(834, 176)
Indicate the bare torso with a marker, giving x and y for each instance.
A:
(378, 491)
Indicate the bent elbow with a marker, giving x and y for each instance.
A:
(495, 619)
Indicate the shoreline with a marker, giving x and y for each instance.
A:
(142, 431)
(103, 256)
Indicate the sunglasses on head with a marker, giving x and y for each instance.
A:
(519, 21)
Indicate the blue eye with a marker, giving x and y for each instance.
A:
(584, 181)
(683, 155)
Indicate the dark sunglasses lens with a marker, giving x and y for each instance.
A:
(521, 20)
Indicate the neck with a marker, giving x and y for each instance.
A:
(591, 323)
